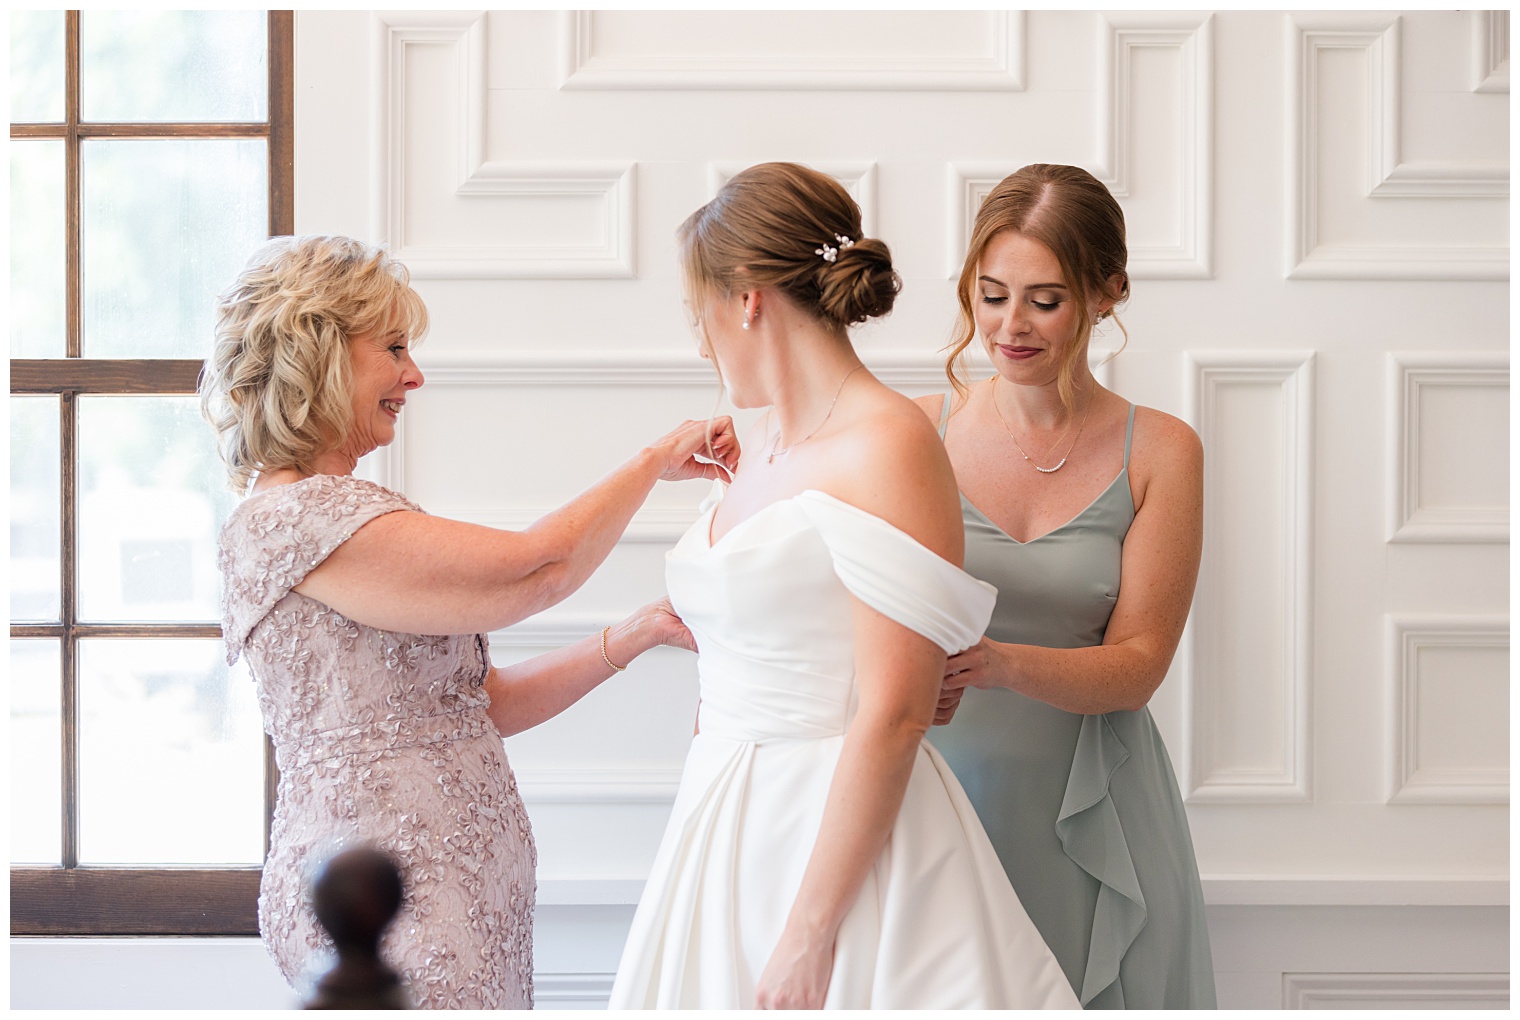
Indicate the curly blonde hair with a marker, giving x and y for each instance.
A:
(277, 387)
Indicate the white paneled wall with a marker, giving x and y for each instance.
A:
(1339, 724)
(1318, 222)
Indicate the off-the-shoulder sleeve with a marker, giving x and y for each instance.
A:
(273, 540)
(891, 572)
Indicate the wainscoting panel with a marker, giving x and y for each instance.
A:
(963, 50)
(1351, 69)
(1448, 709)
(1448, 447)
(1249, 685)
(1317, 207)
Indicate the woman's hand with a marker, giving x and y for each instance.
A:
(796, 976)
(985, 664)
(680, 449)
(664, 627)
(949, 701)
(644, 628)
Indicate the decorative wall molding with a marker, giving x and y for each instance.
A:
(1000, 70)
(858, 178)
(1378, 35)
(650, 525)
(647, 369)
(968, 186)
(1395, 991)
(1235, 891)
(610, 184)
(551, 630)
(599, 786)
(1490, 49)
(1206, 776)
(570, 369)
(1407, 521)
(639, 369)
(582, 786)
(1389, 174)
(661, 526)
(581, 925)
(589, 892)
(1408, 781)
(1192, 35)
(1359, 891)
(552, 990)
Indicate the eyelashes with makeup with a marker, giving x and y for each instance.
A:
(1044, 306)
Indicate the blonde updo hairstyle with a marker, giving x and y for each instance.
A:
(1069, 211)
(766, 228)
(278, 387)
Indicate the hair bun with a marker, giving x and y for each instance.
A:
(858, 284)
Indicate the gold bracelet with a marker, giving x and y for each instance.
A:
(605, 659)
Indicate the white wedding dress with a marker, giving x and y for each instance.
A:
(936, 924)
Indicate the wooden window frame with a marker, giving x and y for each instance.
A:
(68, 899)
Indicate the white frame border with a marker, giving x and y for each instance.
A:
(1306, 258)
(1291, 783)
(613, 182)
(1002, 71)
(1404, 635)
(1407, 372)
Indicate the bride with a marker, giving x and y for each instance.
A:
(819, 852)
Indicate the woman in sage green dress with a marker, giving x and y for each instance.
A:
(1066, 488)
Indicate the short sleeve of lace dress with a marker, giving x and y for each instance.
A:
(273, 539)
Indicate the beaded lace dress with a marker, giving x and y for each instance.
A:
(381, 737)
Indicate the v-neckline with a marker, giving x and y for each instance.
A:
(1123, 476)
(712, 515)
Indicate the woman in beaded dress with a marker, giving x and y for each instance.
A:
(362, 620)
(1065, 488)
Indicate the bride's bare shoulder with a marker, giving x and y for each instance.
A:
(891, 463)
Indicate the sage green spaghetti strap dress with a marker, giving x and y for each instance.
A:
(1084, 810)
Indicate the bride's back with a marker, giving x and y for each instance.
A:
(878, 453)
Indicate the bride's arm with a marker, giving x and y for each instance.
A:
(538, 689)
(898, 674)
(898, 471)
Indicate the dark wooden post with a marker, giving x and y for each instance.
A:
(355, 896)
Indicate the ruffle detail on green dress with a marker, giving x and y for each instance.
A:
(1093, 838)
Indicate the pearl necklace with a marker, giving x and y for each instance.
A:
(1073, 446)
(776, 453)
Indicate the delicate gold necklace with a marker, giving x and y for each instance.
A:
(1073, 446)
(776, 453)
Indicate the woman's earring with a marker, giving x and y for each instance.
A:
(746, 323)
(747, 316)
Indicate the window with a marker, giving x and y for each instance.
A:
(150, 153)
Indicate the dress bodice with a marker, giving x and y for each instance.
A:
(769, 606)
(1057, 590)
